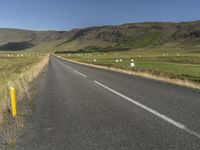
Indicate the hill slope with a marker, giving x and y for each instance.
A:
(185, 35)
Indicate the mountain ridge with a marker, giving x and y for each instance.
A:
(127, 36)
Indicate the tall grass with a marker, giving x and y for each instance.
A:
(20, 81)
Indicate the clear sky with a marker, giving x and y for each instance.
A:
(68, 14)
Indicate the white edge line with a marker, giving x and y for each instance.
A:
(161, 116)
(60, 62)
(67, 66)
(79, 73)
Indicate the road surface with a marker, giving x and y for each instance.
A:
(83, 108)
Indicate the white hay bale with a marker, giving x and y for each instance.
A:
(132, 64)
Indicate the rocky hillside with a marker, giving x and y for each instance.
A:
(122, 37)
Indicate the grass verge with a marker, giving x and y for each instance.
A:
(17, 72)
(180, 68)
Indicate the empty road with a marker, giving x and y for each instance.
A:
(78, 107)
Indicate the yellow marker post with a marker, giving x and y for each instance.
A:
(13, 102)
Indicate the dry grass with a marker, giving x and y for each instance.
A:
(11, 128)
(21, 83)
(145, 74)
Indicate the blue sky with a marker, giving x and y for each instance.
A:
(68, 14)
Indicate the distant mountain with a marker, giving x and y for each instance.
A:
(122, 37)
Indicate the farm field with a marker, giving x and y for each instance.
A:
(14, 64)
(173, 64)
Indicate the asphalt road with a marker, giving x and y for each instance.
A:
(83, 108)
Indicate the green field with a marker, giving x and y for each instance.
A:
(174, 64)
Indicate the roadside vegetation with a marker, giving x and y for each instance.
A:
(170, 64)
(17, 70)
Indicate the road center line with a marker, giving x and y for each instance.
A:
(161, 116)
(80, 73)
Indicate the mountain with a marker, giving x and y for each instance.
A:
(184, 35)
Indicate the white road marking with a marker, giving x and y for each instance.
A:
(67, 66)
(80, 73)
(63, 64)
(161, 116)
